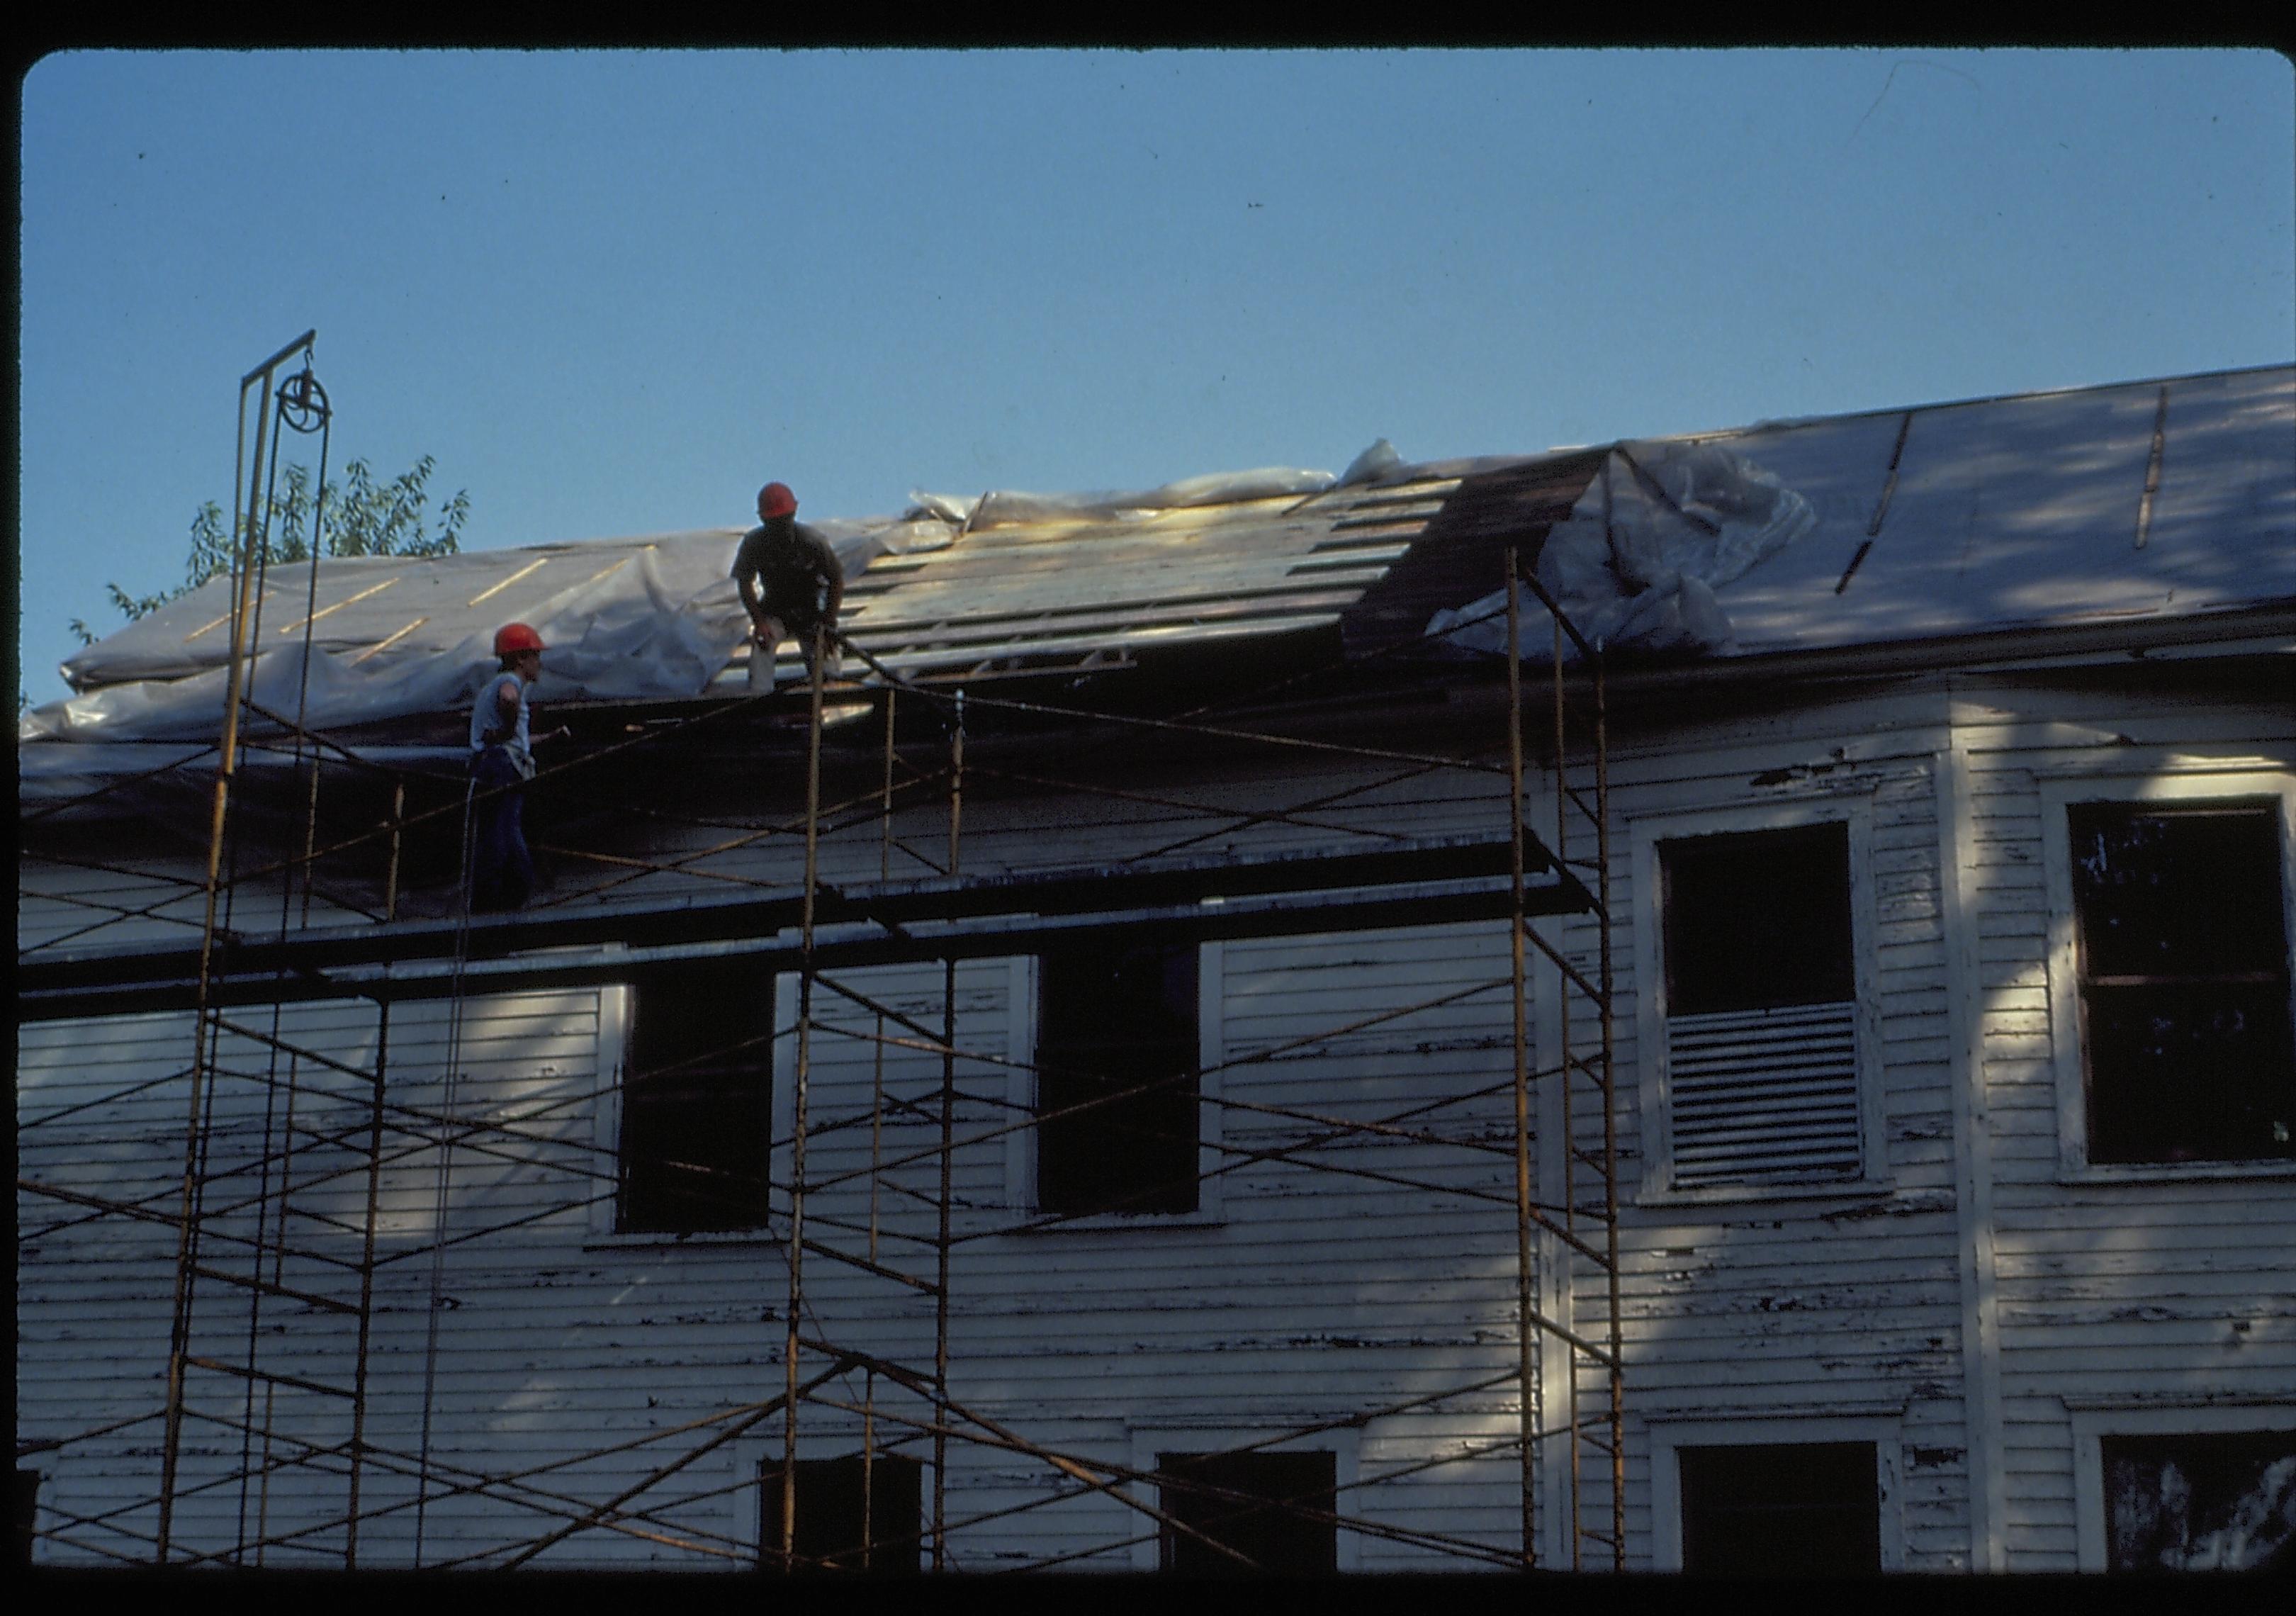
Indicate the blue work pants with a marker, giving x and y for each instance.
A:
(502, 872)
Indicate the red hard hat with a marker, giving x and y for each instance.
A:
(774, 499)
(512, 637)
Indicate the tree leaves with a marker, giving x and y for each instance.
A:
(358, 516)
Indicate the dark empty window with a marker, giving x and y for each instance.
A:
(1761, 1008)
(1804, 1509)
(1116, 1079)
(2184, 981)
(1273, 1509)
(697, 1099)
(1758, 921)
(852, 1514)
(2220, 1502)
(23, 1512)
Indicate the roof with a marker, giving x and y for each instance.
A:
(2149, 499)
(2143, 501)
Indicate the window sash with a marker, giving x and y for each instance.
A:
(2229, 1094)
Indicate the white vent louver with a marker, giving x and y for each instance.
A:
(1764, 1094)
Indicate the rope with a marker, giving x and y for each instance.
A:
(446, 1159)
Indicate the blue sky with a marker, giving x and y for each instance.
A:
(612, 292)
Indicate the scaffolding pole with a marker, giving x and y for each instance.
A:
(948, 1423)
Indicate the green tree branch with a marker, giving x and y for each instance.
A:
(358, 516)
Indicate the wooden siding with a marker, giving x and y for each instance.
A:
(1313, 1296)
(2171, 1291)
(1762, 1304)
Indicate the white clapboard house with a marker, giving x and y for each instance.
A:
(1148, 1138)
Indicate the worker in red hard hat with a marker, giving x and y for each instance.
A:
(502, 761)
(792, 584)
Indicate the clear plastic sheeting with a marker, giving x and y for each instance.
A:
(1374, 463)
(650, 620)
(657, 624)
(1639, 560)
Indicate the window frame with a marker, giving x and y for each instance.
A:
(1646, 833)
(768, 1507)
(2091, 1424)
(617, 1009)
(748, 1456)
(1021, 1146)
(1669, 1436)
(2068, 1054)
(1150, 1440)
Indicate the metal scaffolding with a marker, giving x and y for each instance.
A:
(270, 1219)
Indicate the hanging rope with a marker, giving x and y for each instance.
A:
(438, 1210)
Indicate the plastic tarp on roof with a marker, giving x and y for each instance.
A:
(1660, 528)
(2153, 499)
(2030, 513)
(392, 637)
(2140, 501)
(658, 621)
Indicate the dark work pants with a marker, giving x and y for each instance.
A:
(502, 873)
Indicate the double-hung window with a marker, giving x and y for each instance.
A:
(2169, 982)
(1751, 1001)
(2183, 960)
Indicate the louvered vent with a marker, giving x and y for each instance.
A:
(1764, 1094)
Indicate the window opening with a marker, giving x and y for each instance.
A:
(2183, 959)
(2224, 1501)
(1266, 1526)
(1117, 1075)
(1758, 921)
(697, 1099)
(24, 1512)
(1781, 1509)
(1761, 1006)
(831, 1533)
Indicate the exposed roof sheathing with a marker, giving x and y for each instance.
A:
(1461, 554)
(1118, 583)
